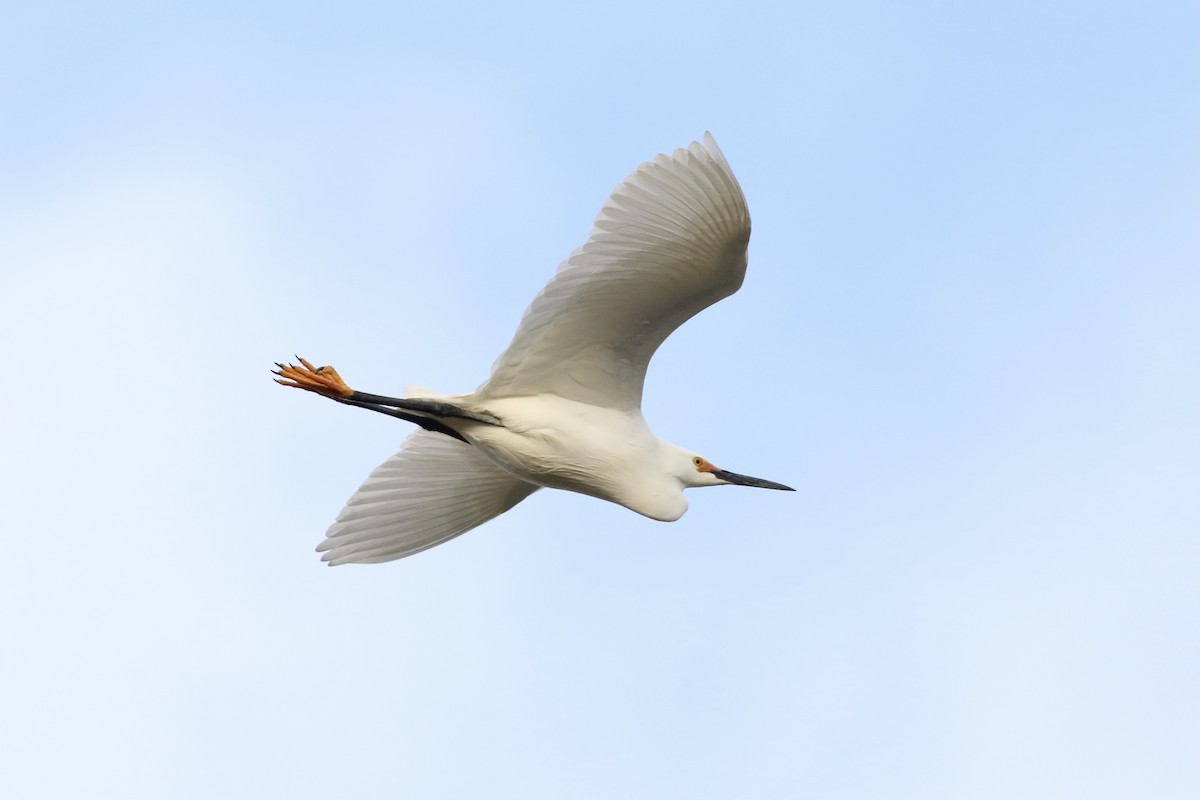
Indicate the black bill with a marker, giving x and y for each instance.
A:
(746, 480)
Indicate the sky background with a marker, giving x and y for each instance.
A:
(969, 336)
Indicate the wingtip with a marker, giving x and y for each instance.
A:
(714, 150)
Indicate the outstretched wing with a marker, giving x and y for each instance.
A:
(669, 242)
(434, 489)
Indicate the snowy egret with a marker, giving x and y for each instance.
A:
(562, 407)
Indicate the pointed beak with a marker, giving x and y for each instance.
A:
(746, 480)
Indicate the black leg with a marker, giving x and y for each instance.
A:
(425, 422)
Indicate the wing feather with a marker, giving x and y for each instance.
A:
(669, 242)
(434, 489)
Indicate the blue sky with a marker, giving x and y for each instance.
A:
(969, 337)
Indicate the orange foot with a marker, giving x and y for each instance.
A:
(322, 380)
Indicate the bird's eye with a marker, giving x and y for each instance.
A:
(698, 461)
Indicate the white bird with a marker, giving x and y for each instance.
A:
(562, 407)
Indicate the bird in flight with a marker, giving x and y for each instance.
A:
(562, 407)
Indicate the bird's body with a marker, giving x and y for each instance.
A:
(562, 407)
(602, 452)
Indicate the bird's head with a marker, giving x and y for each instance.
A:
(702, 472)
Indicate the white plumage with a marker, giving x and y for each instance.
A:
(669, 242)
(432, 490)
(562, 407)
